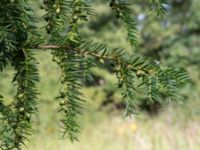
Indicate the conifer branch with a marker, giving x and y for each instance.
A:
(24, 104)
(160, 6)
(75, 56)
(122, 11)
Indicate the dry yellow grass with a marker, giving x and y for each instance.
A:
(116, 133)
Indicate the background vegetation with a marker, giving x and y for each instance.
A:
(173, 40)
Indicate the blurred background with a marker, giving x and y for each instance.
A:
(173, 40)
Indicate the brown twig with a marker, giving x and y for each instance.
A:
(75, 49)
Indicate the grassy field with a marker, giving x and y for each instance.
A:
(101, 132)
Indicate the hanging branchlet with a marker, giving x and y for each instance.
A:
(17, 29)
(24, 104)
(7, 129)
(87, 62)
(70, 95)
(8, 32)
(80, 10)
(126, 81)
(153, 80)
(122, 11)
(172, 83)
(160, 6)
(61, 16)
(56, 15)
(14, 25)
(72, 66)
